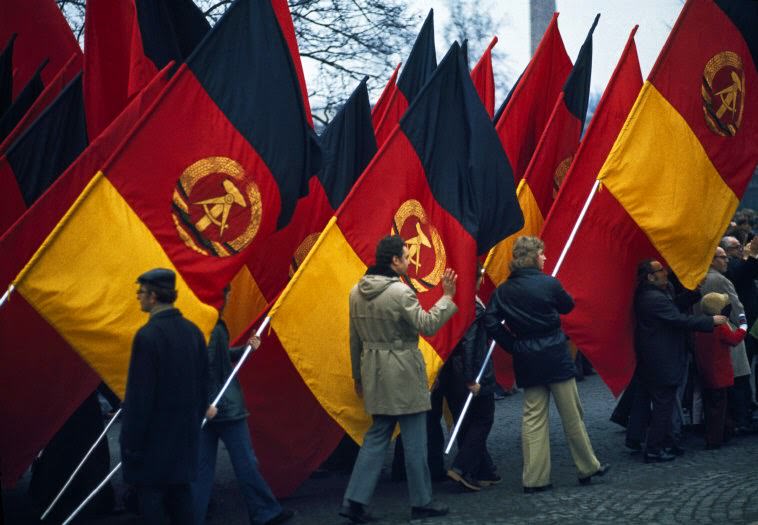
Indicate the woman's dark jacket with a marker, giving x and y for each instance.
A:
(531, 302)
(231, 407)
(468, 355)
(661, 335)
(166, 398)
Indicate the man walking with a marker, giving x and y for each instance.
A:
(230, 426)
(166, 397)
(390, 375)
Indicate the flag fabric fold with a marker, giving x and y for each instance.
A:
(43, 34)
(528, 106)
(601, 324)
(688, 148)
(176, 196)
(484, 79)
(293, 435)
(6, 75)
(377, 112)
(418, 68)
(61, 378)
(450, 184)
(22, 102)
(61, 132)
(126, 44)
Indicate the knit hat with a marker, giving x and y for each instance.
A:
(712, 303)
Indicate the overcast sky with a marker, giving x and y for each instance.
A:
(617, 17)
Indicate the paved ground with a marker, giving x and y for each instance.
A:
(702, 487)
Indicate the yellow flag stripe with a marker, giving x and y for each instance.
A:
(311, 321)
(661, 174)
(82, 281)
(497, 261)
(245, 303)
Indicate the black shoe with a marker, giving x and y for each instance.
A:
(633, 444)
(543, 488)
(489, 480)
(467, 482)
(432, 509)
(283, 516)
(602, 471)
(712, 446)
(659, 456)
(675, 450)
(356, 512)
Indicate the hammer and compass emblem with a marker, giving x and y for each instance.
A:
(723, 93)
(216, 209)
(426, 252)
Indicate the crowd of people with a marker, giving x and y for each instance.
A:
(694, 351)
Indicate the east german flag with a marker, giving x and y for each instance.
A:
(377, 112)
(214, 167)
(690, 144)
(50, 92)
(22, 102)
(33, 162)
(542, 178)
(417, 70)
(441, 181)
(43, 34)
(293, 435)
(601, 324)
(36, 359)
(551, 159)
(484, 79)
(126, 43)
(527, 108)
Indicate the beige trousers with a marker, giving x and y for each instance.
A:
(535, 434)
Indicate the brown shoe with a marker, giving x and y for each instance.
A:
(467, 482)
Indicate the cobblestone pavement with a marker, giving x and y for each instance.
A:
(702, 487)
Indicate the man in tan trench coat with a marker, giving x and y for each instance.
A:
(390, 375)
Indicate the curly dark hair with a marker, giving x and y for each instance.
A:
(387, 248)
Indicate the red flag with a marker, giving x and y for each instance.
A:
(484, 80)
(43, 33)
(377, 112)
(600, 325)
(126, 43)
(61, 377)
(293, 434)
(418, 68)
(525, 113)
(65, 75)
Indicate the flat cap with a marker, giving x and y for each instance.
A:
(159, 277)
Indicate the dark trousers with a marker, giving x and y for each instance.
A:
(739, 401)
(662, 398)
(157, 501)
(473, 458)
(714, 401)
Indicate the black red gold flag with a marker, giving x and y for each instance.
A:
(417, 70)
(441, 181)
(61, 377)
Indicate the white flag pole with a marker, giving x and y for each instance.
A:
(81, 463)
(248, 351)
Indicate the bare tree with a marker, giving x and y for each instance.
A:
(340, 42)
(476, 21)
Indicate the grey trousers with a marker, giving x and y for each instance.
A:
(368, 466)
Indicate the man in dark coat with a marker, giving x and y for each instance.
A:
(473, 467)
(166, 397)
(660, 340)
(230, 426)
